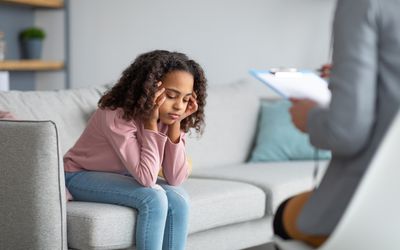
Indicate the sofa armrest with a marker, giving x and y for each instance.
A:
(32, 191)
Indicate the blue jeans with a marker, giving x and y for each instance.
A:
(163, 213)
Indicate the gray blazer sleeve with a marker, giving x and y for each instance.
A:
(345, 126)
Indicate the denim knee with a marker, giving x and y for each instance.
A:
(178, 200)
(156, 201)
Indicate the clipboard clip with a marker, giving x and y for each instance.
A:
(282, 70)
(285, 72)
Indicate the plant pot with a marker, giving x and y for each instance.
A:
(31, 49)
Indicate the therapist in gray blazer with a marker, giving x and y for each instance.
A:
(365, 85)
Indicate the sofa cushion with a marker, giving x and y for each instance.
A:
(217, 203)
(231, 116)
(278, 139)
(99, 226)
(279, 180)
(214, 203)
(69, 109)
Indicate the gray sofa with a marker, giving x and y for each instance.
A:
(232, 201)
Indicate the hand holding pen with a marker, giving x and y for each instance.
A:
(325, 70)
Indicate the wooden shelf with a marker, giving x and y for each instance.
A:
(30, 65)
(37, 3)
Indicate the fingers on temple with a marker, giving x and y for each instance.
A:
(193, 103)
(159, 101)
(158, 95)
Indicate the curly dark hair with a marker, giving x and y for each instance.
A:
(135, 90)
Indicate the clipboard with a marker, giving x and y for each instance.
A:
(290, 83)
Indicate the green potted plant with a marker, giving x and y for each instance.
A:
(31, 42)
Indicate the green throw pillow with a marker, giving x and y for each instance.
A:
(278, 139)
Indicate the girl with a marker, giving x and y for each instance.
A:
(137, 130)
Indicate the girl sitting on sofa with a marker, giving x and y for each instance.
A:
(138, 130)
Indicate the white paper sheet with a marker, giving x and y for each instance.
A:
(296, 85)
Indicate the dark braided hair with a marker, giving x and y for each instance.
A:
(135, 90)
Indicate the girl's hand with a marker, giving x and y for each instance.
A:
(159, 99)
(174, 130)
(191, 107)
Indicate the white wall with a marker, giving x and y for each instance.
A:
(227, 37)
(52, 21)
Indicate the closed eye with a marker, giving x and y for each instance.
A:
(171, 95)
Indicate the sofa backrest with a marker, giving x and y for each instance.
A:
(231, 118)
(231, 124)
(69, 109)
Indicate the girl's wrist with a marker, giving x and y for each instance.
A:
(174, 132)
(175, 126)
(151, 125)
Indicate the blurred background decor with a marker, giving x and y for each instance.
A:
(2, 46)
(31, 42)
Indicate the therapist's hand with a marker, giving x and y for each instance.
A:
(299, 112)
(325, 70)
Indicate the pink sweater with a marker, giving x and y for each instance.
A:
(6, 115)
(111, 144)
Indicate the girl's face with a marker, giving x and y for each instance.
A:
(178, 89)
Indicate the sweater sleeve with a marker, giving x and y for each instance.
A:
(346, 125)
(6, 116)
(175, 164)
(142, 160)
